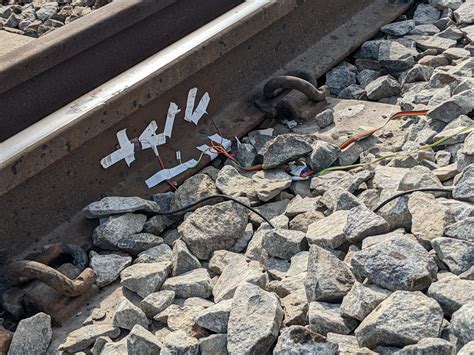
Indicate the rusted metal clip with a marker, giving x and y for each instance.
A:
(23, 271)
(292, 96)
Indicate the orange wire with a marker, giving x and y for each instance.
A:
(163, 167)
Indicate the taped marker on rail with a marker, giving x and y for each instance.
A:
(208, 151)
(167, 174)
(220, 140)
(172, 112)
(126, 151)
(150, 140)
(192, 115)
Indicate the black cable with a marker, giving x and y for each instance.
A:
(225, 197)
(427, 189)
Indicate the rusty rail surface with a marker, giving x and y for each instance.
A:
(51, 170)
(55, 69)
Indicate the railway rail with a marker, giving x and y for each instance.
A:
(50, 170)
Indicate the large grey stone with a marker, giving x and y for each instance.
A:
(457, 254)
(419, 177)
(211, 228)
(328, 232)
(326, 317)
(421, 205)
(459, 104)
(156, 302)
(192, 190)
(451, 292)
(141, 341)
(194, 283)
(181, 317)
(429, 346)
(404, 318)
(342, 179)
(400, 28)
(213, 344)
(108, 234)
(462, 323)
(323, 156)
(299, 205)
(339, 199)
(395, 57)
(362, 223)
(464, 188)
(325, 118)
(384, 86)
(254, 321)
(221, 258)
(339, 78)
(236, 273)
(119, 205)
(269, 183)
(145, 278)
(32, 335)
(300, 340)
(348, 344)
(84, 337)
(362, 300)
(230, 182)
(465, 13)
(127, 315)
(136, 243)
(108, 267)
(283, 243)
(328, 278)
(283, 149)
(396, 264)
(366, 76)
(180, 343)
(467, 349)
(182, 260)
(215, 318)
(47, 10)
(304, 220)
(160, 253)
(295, 306)
(463, 230)
(426, 14)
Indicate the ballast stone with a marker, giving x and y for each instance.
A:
(463, 230)
(458, 255)
(212, 228)
(326, 317)
(108, 234)
(404, 318)
(428, 346)
(328, 278)
(396, 264)
(451, 292)
(182, 260)
(462, 323)
(426, 14)
(179, 342)
(108, 267)
(362, 223)
(340, 78)
(32, 335)
(283, 243)
(297, 339)
(119, 205)
(215, 318)
(362, 300)
(84, 337)
(382, 87)
(141, 341)
(254, 321)
(128, 315)
(283, 149)
(145, 278)
(156, 302)
(194, 283)
(400, 28)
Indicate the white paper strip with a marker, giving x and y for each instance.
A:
(172, 112)
(222, 141)
(208, 151)
(126, 151)
(167, 174)
(192, 115)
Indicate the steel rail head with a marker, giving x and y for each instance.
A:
(271, 88)
(23, 271)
